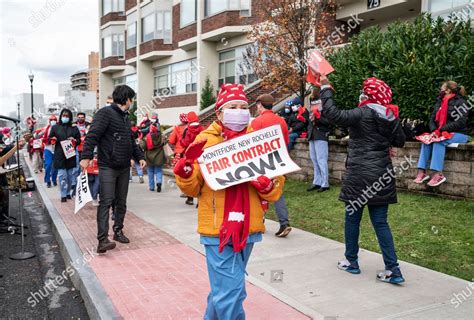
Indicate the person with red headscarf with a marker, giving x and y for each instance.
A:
(448, 124)
(152, 143)
(369, 180)
(230, 220)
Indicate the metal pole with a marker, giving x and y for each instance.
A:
(32, 109)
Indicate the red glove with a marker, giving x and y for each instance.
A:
(53, 140)
(74, 142)
(184, 168)
(195, 150)
(437, 133)
(262, 184)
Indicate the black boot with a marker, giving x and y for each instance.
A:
(105, 245)
(63, 199)
(158, 187)
(190, 201)
(120, 237)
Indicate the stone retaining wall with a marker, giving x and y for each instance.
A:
(459, 167)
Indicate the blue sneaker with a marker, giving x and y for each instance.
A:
(351, 267)
(393, 276)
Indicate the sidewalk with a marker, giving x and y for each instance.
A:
(161, 274)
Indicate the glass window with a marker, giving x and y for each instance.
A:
(167, 27)
(112, 6)
(106, 47)
(118, 45)
(216, 6)
(188, 12)
(177, 78)
(148, 27)
(132, 35)
(159, 24)
(234, 69)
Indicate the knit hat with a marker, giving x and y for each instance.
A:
(53, 117)
(230, 92)
(377, 91)
(183, 117)
(192, 117)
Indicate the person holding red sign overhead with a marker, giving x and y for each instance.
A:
(64, 136)
(230, 220)
(369, 180)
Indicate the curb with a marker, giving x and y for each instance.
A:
(96, 300)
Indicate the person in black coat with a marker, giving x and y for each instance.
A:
(449, 118)
(318, 136)
(64, 131)
(111, 133)
(369, 179)
(297, 122)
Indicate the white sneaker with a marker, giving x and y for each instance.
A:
(95, 203)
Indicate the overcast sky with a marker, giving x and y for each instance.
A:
(50, 37)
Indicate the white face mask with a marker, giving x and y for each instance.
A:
(294, 108)
(236, 119)
(53, 123)
(362, 97)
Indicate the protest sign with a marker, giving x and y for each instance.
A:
(245, 158)
(83, 194)
(317, 65)
(68, 149)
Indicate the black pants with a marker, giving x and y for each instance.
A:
(113, 187)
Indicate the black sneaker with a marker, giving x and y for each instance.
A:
(55, 184)
(313, 187)
(323, 189)
(158, 187)
(63, 199)
(190, 201)
(48, 185)
(105, 245)
(69, 197)
(284, 231)
(120, 237)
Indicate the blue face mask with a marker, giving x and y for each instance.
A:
(64, 120)
(287, 110)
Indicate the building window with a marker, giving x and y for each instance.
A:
(130, 80)
(113, 45)
(215, 6)
(233, 69)
(148, 27)
(176, 78)
(112, 6)
(188, 12)
(132, 35)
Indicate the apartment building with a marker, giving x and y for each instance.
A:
(79, 80)
(165, 49)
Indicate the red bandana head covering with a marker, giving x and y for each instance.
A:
(379, 92)
(183, 117)
(230, 92)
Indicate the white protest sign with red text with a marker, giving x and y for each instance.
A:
(68, 149)
(245, 158)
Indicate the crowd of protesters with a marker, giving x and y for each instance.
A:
(111, 147)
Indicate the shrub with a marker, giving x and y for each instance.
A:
(414, 58)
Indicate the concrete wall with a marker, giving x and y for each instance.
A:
(459, 167)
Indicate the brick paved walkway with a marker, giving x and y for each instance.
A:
(156, 276)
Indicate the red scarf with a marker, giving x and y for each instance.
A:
(300, 114)
(47, 130)
(316, 113)
(442, 114)
(236, 222)
(149, 141)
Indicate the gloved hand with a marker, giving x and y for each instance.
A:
(436, 133)
(263, 184)
(184, 168)
(53, 140)
(195, 150)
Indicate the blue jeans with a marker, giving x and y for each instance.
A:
(139, 170)
(378, 217)
(94, 184)
(293, 137)
(436, 151)
(77, 171)
(227, 278)
(49, 172)
(152, 172)
(66, 177)
(281, 210)
(318, 152)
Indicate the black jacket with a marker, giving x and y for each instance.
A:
(368, 164)
(458, 111)
(110, 132)
(318, 129)
(63, 132)
(296, 125)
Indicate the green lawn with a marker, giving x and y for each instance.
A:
(432, 232)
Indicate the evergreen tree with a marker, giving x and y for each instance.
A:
(207, 94)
